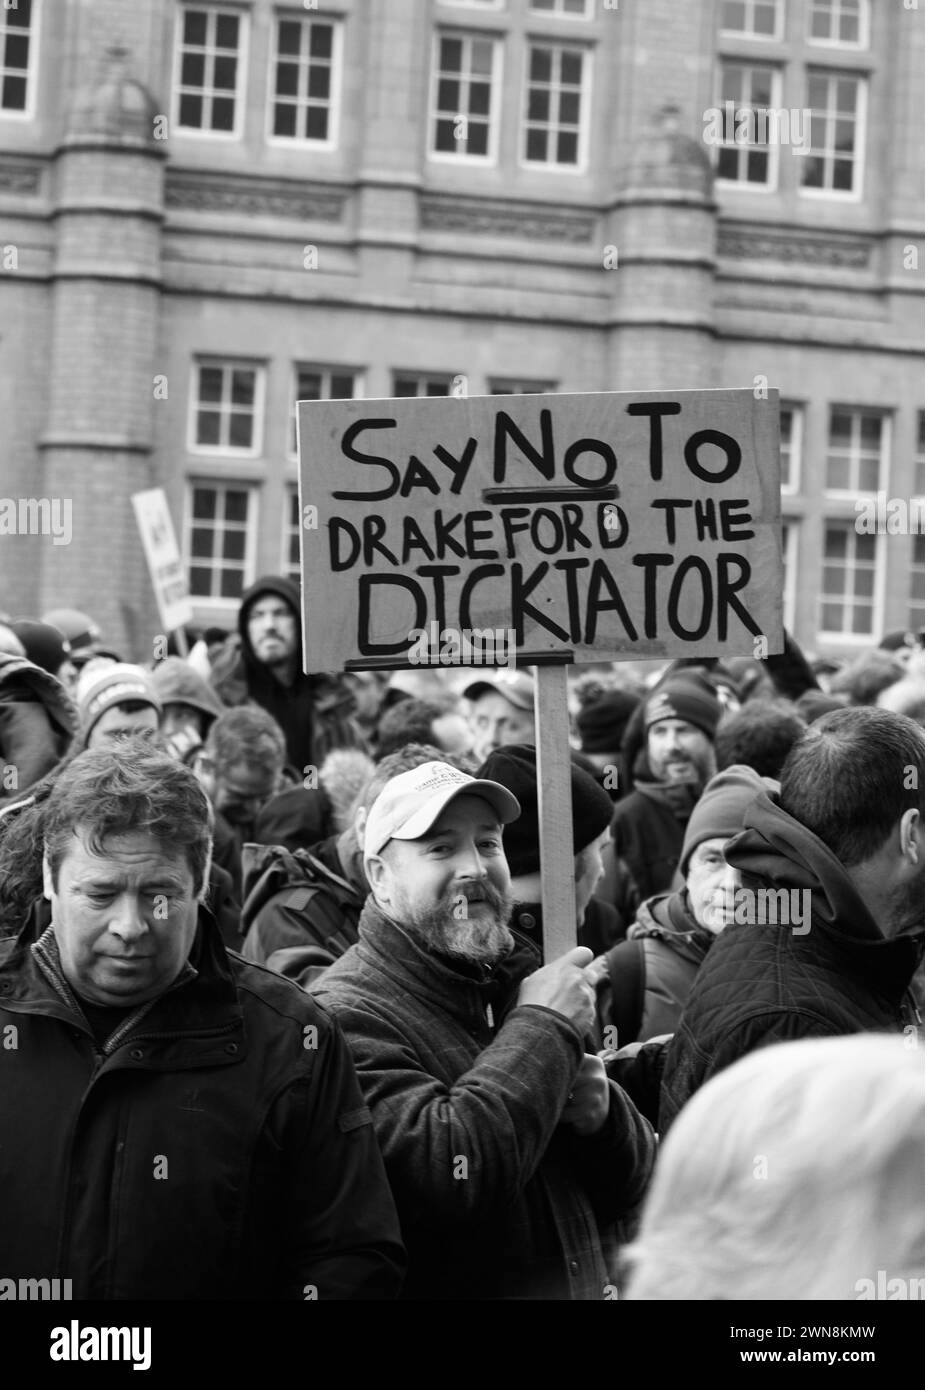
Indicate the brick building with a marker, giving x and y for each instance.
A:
(208, 211)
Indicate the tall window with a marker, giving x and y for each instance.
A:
(556, 102)
(917, 584)
(318, 384)
(857, 453)
(758, 19)
(836, 103)
(842, 22)
(848, 577)
(788, 539)
(291, 528)
(518, 386)
(227, 408)
(302, 85)
(17, 45)
(419, 384)
(466, 82)
(220, 517)
(210, 69)
(920, 456)
(747, 90)
(791, 447)
(569, 9)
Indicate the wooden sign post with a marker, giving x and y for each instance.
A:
(540, 530)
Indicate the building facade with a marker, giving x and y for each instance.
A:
(210, 211)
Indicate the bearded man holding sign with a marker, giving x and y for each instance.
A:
(510, 1155)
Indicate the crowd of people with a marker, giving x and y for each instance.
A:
(272, 974)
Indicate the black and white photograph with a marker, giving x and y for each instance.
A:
(462, 681)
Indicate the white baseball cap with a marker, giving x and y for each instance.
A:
(408, 805)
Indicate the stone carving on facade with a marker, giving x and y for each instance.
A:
(254, 197)
(480, 217)
(837, 252)
(19, 178)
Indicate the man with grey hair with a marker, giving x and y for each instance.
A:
(187, 1125)
(510, 1155)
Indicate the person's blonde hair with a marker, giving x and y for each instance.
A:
(797, 1173)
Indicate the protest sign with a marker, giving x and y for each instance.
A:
(574, 528)
(542, 530)
(168, 577)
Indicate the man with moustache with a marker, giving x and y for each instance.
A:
(680, 719)
(509, 1154)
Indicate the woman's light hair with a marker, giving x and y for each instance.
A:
(795, 1174)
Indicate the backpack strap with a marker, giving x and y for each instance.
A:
(626, 967)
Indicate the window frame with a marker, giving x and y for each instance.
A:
(911, 603)
(534, 12)
(28, 112)
(841, 45)
(240, 90)
(545, 166)
(305, 142)
(842, 195)
(251, 531)
(195, 402)
(798, 424)
(326, 370)
(771, 148)
(876, 604)
(780, 18)
(423, 376)
(537, 388)
(292, 495)
(789, 548)
(496, 81)
(851, 492)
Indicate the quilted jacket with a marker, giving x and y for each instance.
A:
(768, 983)
(496, 1198)
(235, 1090)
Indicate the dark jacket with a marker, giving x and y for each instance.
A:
(300, 910)
(315, 713)
(217, 1146)
(761, 984)
(496, 1199)
(650, 974)
(648, 833)
(38, 719)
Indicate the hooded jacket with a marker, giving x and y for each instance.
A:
(271, 1179)
(315, 713)
(762, 983)
(38, 720)
(664, 949)
(496, 1199)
